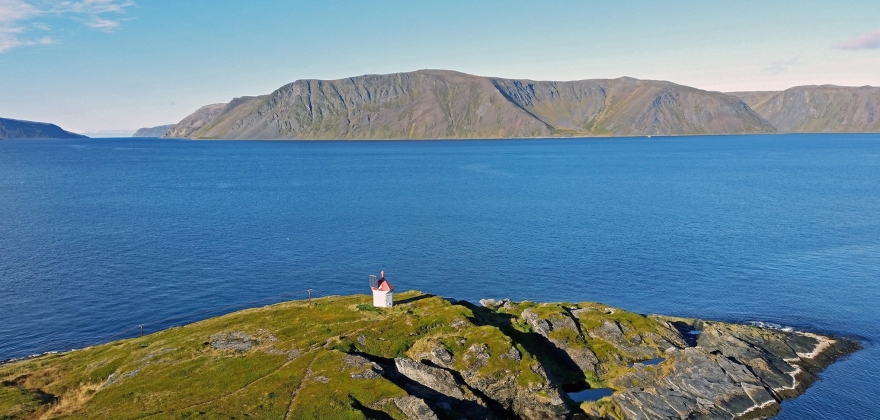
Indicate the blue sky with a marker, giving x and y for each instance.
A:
(96, 65)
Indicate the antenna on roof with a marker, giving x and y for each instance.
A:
(374, 282)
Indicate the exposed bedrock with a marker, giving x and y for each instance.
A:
(692, 369)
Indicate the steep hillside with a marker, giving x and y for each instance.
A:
(407, 105)
(193, 122)
(426, 358)
(153, 131)
(628, 106)
(433, 104)
(17, 129)
(819, 109)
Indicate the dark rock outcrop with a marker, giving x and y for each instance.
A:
(362, 368)
(734, 372)
(698, 369)
(415, 408)
(439, 380)
(495, 373)
(582, 356)
(17, 129)
(698, 385)
(441, 387)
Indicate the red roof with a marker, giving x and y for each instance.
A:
(384, 286)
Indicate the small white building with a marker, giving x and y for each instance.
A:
(383, 292)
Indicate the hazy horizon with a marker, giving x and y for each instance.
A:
(96, 66)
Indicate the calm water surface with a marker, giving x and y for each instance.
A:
(98, 236)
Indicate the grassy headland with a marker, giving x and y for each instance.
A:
(338, 357)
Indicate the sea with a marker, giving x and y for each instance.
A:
(100, 237)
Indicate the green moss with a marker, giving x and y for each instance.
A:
(367, 307)
(329, 392)
(603, 408)
(17, 403)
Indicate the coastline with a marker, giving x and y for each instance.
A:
(464, 139)
(537, 344)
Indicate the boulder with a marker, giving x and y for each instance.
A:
(415, 408)
(437, 379)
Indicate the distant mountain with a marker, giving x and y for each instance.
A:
(433, 104)
(18, 129)
(153, 131)
(627, 106)
(109, 134)
(816, 109)
(204, 115)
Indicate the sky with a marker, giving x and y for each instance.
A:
(94, 66)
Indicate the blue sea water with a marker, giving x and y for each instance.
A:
(100, 235)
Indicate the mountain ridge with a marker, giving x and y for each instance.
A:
(22, 129)
(818, 108)
(437, 104)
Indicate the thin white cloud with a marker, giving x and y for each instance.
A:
(782, 66)
(100, 24)
(17, 17)
(92, 7)
(865, 41)
(11, 13)
(16, 10)
(10, 38)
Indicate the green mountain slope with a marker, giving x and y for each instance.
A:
(433, 104)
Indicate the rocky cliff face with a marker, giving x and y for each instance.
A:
(819, 109)
(433, 104)
(426, 358)
(17, 129)
(158, 131)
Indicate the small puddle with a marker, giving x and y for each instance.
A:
(591, 394)
(695, 332)
(651, 362)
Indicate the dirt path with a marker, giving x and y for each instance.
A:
(302, 381)
(229, 394)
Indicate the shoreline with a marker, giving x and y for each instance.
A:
(464, 139)
(450, 355)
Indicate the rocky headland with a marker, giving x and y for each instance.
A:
(428, 358)
(17, 129)
(157, 131)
